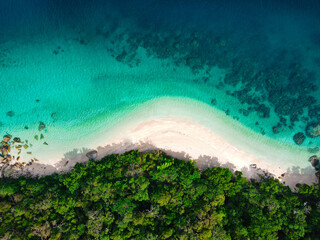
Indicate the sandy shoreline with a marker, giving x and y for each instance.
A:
(185, 128)
(185, 139)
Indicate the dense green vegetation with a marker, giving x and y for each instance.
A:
(153, 196)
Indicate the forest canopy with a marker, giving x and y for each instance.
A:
(153, 196)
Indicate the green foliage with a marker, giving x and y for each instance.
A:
(8, 187)
(153, 196)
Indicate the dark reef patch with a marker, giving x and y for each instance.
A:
(313, 130)
(271, 84)
(299, 138)
(10, 113)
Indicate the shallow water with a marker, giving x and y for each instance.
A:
(69, 64)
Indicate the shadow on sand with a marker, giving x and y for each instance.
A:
(293, 175)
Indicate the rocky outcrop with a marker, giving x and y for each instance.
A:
(41, 126)
(253, 165)
(6, 138)
(11, 171)
(314, 160)
(299, 138)
(4, 151)
(313, 130)
(92, 154)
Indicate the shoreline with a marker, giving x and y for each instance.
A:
(187, 129)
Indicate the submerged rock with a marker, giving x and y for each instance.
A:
(313, 130)
(41, 126)
(194, 62)
(245, 112)
(299, 138)
(263, 111)
(276, 129)
(54, 116)
(92, 154)
(10, 113)
(313, 150)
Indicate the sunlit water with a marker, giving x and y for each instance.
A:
(67, 65)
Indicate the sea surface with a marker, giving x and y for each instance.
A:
(79, 65)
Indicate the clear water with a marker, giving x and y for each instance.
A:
(68, 64)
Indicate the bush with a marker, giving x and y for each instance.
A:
(150, 195)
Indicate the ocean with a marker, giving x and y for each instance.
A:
(82, 66)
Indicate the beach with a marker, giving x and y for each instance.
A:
(188, 129)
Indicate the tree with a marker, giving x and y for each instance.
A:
(153, 196)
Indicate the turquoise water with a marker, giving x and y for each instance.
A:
(69, 64)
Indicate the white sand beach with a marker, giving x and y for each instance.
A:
(184, 128)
